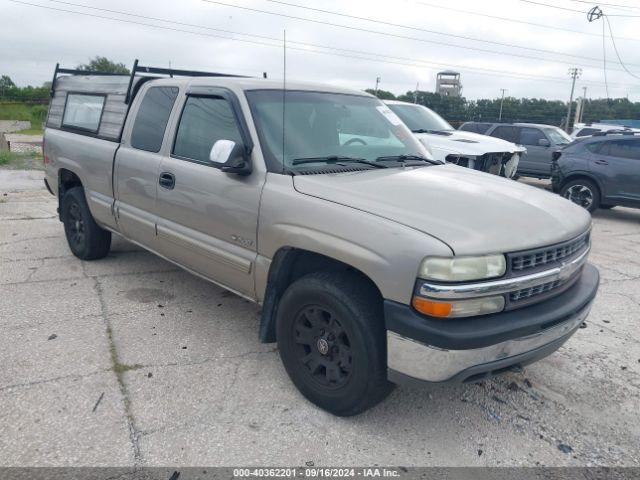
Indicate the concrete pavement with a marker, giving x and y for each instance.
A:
(132, 361)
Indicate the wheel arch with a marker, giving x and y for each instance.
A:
(584, 175)
(67, 180)
(289, 264)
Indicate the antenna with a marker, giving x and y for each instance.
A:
(284, 88)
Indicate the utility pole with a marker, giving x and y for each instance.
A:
(501, 102)
(377, 83)
(415, 93)
(574, 73)
(582, 103)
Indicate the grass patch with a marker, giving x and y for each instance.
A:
(35, 129)
(21, 161)
(36, 114)
(123, 367)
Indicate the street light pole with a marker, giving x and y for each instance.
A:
(377, 83)
(575, 73)
(501, 102)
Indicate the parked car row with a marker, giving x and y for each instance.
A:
(374, 263)
(540, 142)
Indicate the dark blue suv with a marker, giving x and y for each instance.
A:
(601, 171)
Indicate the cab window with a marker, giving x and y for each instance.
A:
(531, 136)
(152, 118)
(505, 133)
(204, 121)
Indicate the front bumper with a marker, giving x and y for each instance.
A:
(469, 349)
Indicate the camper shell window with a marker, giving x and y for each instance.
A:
(83, 111)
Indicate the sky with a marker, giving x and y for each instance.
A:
(526, 47)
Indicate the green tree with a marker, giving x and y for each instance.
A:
(5, 84)
(103, 64)
(381, 94)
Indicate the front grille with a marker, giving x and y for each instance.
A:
(525, 293)
(547, 257)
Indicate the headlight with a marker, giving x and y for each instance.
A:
(458, 269)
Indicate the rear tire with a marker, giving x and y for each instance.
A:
(332, 341)
(86, 239)
(582, 192)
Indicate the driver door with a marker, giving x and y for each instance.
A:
(208, 219)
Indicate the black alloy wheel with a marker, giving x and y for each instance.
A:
(323, 346)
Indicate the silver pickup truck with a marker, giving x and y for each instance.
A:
(373, 264)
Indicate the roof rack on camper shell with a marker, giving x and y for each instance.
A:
(139, 69)
(116, 89)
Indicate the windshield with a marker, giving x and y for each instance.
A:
(325, 126)
(417, 117)
(558, 136)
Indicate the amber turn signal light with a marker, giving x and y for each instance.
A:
(429, 307)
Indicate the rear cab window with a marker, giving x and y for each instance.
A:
(152, 118)
(83, 111)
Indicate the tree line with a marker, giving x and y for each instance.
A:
(457, 110)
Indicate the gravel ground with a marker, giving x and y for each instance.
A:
(131, 361)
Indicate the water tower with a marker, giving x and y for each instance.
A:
(448, 83)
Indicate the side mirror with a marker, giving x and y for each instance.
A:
(543, 142)
(230, 157)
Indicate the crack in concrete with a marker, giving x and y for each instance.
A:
(73, 376)
(133, 433)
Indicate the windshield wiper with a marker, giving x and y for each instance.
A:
(333, 159)
(404, 158)
(434, 132)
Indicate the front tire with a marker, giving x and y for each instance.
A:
(582, 192)
(86, 239)
(332, 341)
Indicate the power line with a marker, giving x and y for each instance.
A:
(409, 27)
(578, 11)
(604, 61)
(355, 54)
(513, 20)
(377, 32)
(552, 6)
(615, 49)
(413, 61)
(614, 5)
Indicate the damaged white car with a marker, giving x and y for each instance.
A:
(472, 150)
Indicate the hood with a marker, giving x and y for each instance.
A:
(472, 212)
(465, 143)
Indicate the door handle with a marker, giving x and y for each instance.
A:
(167, 180)
(601, 162)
